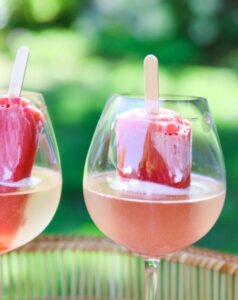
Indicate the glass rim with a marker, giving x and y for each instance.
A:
(162, 97)
(28, 95)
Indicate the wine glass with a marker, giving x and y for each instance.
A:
(149, 218)
(30, 184)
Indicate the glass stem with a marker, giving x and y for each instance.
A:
(151, 279)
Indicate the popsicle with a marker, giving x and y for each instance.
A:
(154, 144)
(21, 124)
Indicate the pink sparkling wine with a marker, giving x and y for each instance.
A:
(153, 219)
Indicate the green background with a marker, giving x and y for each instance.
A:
(83, 51)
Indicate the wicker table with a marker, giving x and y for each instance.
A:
(77, 267)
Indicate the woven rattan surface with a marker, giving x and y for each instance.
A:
(80, 267)
(195, 256)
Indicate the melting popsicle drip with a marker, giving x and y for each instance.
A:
(21, 124)
(154, 147)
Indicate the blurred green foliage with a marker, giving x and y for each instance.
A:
(82, 51)
(186, 31)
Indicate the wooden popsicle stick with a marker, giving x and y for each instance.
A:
(151, 77)
(18, 72)
(151, 82)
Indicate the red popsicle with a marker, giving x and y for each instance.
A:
(155, 147)
(21, 124)
(20, 128)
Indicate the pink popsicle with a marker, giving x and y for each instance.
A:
(154, 147)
